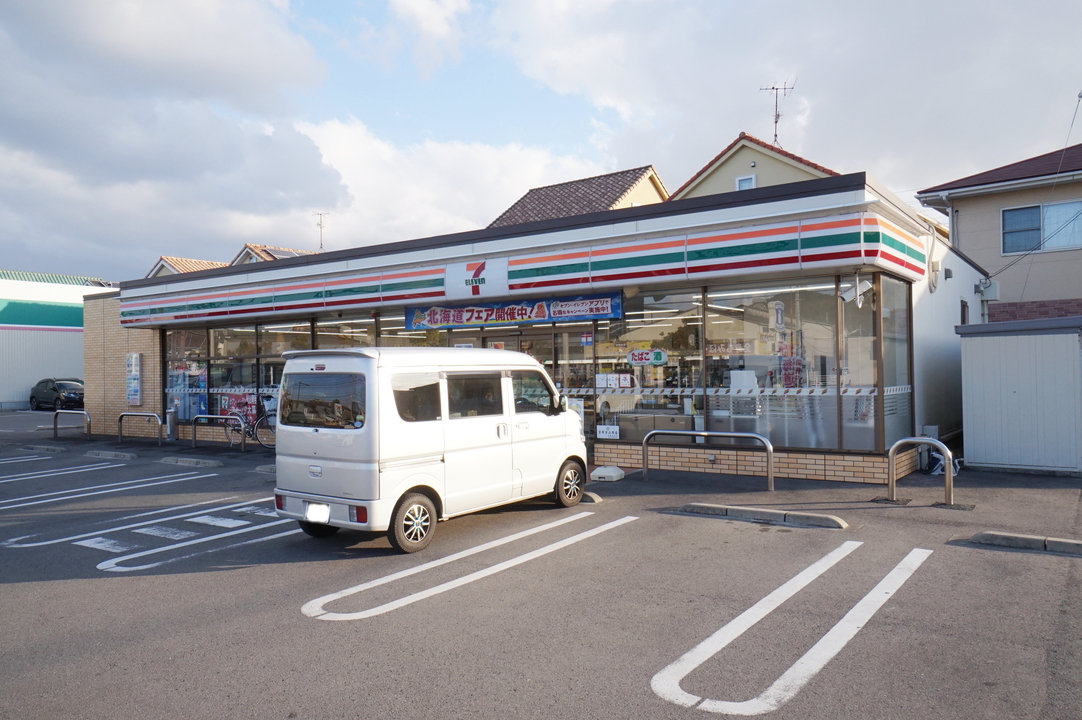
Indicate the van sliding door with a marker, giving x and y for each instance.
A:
(477, 448)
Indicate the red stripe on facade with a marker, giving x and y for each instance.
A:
(633, 276)
(714, 267)
(548, 283)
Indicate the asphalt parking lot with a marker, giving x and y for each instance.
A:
(136, 587)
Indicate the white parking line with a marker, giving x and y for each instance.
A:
(51, 473)
(106, 544)
(219, 521)
(113, 565)
(23, 458)
(115, 487)
(315, 607)
(667, 682)
(165, 532)
(14, 542)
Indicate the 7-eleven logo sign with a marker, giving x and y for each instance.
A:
(475, 281)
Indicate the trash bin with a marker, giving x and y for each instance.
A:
(171, 423)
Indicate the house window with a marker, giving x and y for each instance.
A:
(745, 183)
(1042, 227)
(964, 318)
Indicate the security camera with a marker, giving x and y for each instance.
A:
(854, 290)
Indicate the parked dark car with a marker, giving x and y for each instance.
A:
(57, 393)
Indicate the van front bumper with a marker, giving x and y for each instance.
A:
(296, 506)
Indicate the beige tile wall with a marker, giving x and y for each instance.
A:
(105, 348)
(806, 466)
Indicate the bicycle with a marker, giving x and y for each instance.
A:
(263, 429)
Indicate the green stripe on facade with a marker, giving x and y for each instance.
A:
(823, 241)
(22, 312)
(897, 245)
(351, 291)
(627, 262)
(726, 251)
(412, 285)
(570, 269)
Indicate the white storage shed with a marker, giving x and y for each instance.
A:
(1022, 395)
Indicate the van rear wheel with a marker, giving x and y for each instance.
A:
(413, 524)
(570, 484)
(317, 530)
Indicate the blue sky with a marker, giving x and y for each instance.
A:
(131, 129)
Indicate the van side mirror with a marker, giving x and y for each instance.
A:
(563, 403)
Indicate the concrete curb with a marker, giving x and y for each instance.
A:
(779, 516)
(1028, 542)
(45, 448)
(268, 469)
(192, 462)
(110, 455)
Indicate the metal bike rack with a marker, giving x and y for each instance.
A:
(120, 424)
(948, 467)
(218, 417)
(706, 433)
(84, 413)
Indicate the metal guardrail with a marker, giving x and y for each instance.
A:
(84, 413)
(235, 418)
(120, 424)
(948, 467)
(708, 433)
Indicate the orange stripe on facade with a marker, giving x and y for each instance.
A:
(639, 248)
(788, 230)
(896, 232)
(549, 258)
(415, 273)
(349, 281)
(812, 227)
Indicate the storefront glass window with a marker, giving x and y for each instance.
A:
(897, 384)
(345, 333)
(648, 365)
(770, 362)
(858, 380)
(233, 342)
(393, 333)
(186, 343)
(277, 339)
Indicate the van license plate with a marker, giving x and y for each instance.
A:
(317, 512)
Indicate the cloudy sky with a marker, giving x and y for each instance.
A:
(131, 129)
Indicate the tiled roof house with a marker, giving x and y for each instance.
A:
(627, 188)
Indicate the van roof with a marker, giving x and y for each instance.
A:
(423, 355)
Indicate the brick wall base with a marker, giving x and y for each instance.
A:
(797, 465)
(1034, 310)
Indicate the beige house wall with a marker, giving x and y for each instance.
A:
(646, 192)
(1046, 275)
(105, 348)
(769, 170)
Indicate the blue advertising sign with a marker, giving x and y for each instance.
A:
(514, 312)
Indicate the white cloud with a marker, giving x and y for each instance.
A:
(436, 25)
(428, 189)
(915, 93)
(239, 52)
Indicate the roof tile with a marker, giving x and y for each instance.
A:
(1067, 160)
(578, 197)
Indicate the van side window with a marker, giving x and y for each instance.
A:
(473, 395)
(417, 396)
(323, 400)
(532, 393)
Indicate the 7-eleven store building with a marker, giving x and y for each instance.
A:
(820, 314)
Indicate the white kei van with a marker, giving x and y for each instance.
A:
(395, 439)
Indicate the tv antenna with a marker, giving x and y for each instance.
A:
(320, 226)
(783, 91)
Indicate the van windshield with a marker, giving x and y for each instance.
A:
(323, 400)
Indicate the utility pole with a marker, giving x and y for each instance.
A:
(784, 91)
(320, 226)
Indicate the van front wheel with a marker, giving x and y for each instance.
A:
(570, 484)
(414, 523)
